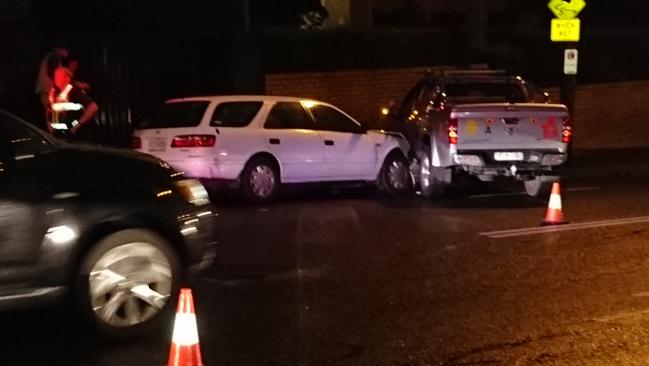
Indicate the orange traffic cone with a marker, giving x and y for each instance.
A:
(185, 350)
(554, 215)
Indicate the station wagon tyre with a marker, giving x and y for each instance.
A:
(395, 177)
(127, 283)
(260, 180)
(538, 187)
(431, 182)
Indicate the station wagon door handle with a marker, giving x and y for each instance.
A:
(274, 141)
(329, 142)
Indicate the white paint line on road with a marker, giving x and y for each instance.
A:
(491, 195)
(498, 195)
(567, 227)
(577, 189)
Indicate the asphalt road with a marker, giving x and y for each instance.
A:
(352, 278)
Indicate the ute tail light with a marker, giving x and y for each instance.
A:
(452, 131)
(193, 141)
(566, 133)
(136, 142)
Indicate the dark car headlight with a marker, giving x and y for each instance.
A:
(192, 191)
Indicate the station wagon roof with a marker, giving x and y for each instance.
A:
(242, 98)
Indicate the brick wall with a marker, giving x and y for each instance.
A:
(359, 93)
(606, 115)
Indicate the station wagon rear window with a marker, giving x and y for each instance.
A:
(177, 114)
(235, 114)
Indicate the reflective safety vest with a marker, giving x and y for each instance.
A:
(60, 104)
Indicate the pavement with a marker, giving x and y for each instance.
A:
(584, 163)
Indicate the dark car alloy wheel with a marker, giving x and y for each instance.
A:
(127, 281)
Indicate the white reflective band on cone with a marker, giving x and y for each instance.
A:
(555, 201)
(185, 330)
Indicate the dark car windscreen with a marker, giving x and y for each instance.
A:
(177, 114)
(460, 93)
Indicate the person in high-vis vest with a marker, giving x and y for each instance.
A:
(72, 111)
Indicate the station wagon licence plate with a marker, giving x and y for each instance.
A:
(157, 144)
(508, 156)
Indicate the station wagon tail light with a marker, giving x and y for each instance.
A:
(452, 131)
(566, 134)
(136, 142)
(194, 141)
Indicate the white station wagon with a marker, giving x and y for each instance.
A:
(261, 142)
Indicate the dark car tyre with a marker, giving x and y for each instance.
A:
(127, 282)
(394, 177)
(260, 180)
(430, 182)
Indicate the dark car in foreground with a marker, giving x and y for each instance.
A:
(114, 232)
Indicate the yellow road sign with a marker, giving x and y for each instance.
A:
(566, 9)
(565, 30)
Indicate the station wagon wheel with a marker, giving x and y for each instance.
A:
(260, 180)
(127, 282)
(395, 175)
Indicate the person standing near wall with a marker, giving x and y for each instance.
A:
(52, 60)
(72, 111)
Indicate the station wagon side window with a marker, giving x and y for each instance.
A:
(288, 115)
(176, 114)
(235, 114)
(329, 119)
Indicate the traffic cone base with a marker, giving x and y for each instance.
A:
(554, 214)
(185, 350)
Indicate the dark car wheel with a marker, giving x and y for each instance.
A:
(395, 178)
(127, 282)
(260, 180)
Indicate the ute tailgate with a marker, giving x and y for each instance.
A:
(510, 126)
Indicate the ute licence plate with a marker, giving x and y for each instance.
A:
(157, 144)
(508, 156)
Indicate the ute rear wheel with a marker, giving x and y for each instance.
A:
(127, 282)
(538, 187)
(431, 179)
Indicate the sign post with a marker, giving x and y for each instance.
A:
(566, 28)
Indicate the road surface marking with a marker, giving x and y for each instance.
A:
(576, 189)
(567, 227)
(498, 195)
(490, 195)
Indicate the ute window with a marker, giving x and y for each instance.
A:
(484, 93)
(177, 114)
(235, 114)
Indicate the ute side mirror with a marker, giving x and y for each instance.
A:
(438, 103)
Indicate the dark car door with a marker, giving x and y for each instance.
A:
(22, 221)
